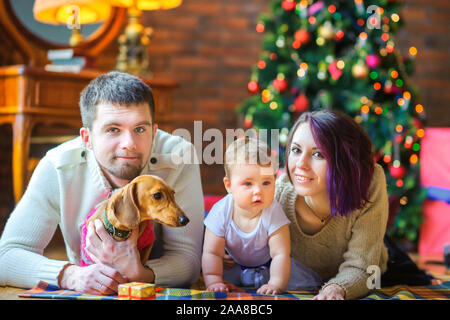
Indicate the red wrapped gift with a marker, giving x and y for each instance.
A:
(435, 175)
(435, 158)
(435, 229)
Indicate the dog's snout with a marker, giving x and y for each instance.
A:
(183, 220)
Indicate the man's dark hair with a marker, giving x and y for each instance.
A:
(117, 88)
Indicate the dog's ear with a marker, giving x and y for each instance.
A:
(125, 206)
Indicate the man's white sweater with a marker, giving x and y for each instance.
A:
(68, 183)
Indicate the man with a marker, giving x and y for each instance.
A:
(118, 141)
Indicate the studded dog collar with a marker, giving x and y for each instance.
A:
(113, 231)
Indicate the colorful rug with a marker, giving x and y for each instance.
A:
(433, 292)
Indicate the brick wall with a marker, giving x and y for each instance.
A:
(209, 46)
(427, 28)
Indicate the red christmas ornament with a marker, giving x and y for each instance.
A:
(301, 103)
(288, 5)
(335, 72)
(253, 87)
(339, 35)
(302, 36)
(397, 172)
(387, 89)
(280, 84)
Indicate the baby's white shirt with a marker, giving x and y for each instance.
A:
(247, 249)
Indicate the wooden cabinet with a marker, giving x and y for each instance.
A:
(30, 96)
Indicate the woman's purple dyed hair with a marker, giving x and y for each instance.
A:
(347, 149)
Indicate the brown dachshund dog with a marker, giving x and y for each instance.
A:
(145, 198)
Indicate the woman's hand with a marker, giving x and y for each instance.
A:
(331, 292)
(122, 256)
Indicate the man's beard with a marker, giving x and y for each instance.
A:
(126, 171)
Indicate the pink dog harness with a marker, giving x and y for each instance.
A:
(147, 238)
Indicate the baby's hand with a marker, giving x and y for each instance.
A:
(269, 289)
(218, 287)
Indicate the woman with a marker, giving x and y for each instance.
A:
(336, 199)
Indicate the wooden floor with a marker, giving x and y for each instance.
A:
(431, 263)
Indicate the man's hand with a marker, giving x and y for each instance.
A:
(122, 256)
(331, 292)
(95, 279)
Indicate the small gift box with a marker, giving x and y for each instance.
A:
(137, 291)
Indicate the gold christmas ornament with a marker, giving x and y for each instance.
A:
(326, 31)
(360, 70)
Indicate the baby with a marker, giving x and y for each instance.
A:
(248, 223)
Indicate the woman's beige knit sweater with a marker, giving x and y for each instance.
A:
(345, 247)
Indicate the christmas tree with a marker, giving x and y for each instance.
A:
(342, 55)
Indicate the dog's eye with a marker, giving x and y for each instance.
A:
(157, 196)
